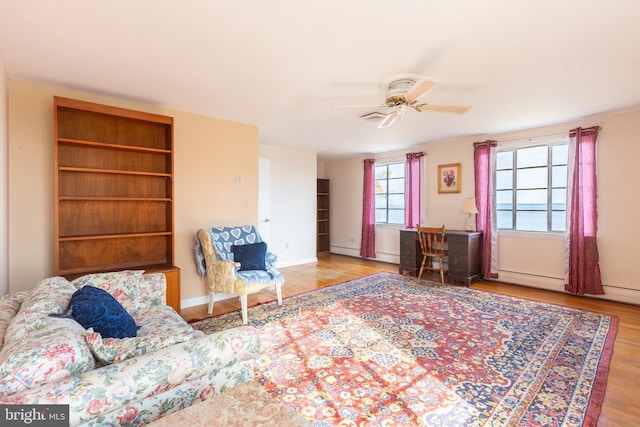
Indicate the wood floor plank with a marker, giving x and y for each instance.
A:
(620, 407)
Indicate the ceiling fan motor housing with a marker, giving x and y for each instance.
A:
(397, 90)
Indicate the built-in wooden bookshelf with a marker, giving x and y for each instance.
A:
(113, 191)
(323, 240)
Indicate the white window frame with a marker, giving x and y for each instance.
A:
(549, 143)
(387, 208)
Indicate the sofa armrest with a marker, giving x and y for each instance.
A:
(152, 289)
(101, 391)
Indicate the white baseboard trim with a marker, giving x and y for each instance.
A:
(296, 262)
(382, 257)
(612, 293)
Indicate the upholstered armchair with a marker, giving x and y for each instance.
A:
(235, 261)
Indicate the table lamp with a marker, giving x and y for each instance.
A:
(470, 209)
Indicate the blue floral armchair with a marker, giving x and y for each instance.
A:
(217, 254)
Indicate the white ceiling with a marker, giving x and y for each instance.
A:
(284, 65)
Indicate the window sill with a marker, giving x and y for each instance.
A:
(537, 235)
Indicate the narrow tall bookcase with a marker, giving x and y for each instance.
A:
(323, 241)
(113, 192)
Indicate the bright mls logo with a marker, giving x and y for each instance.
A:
(34, 415)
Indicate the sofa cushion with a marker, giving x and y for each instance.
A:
(122, 285)
(49, 353)
(9, 307)
(114, 350)
(95, 308)
(50, 296)
(250, 256)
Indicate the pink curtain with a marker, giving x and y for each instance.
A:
(412, 190)
(368, 241)
(484, 160)
(583, 269)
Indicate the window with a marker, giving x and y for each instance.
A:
(534, 181)
(390, 193)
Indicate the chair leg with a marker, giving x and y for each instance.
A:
(210, 310)
(279, 293)
(243, 303)
(424, 259)
(441, 270)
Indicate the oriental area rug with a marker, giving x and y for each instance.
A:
(388, 350)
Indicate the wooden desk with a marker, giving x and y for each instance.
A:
(464, 258)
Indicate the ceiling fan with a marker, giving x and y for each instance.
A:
(403, 92)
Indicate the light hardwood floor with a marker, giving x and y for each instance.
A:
(621, 406)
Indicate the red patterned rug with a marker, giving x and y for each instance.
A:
(390, 350)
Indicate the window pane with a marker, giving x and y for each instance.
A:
(504, 199)
(396, 216)
(396, 170)
(532, 178)
(559, 176)
(505, 219)
(531, 221)
(532, 156)
(558, 220)
(559, 199)
(381, 172)
(533, 200)
(504, 179)
(504, 160)
(389, 188)
(559, 154)
(396, 201)
(396, 185)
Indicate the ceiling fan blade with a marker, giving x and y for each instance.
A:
(361, 105)
(418, 89)
(388, 121)
(442, 108)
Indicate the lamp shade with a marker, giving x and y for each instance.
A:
(470, 206)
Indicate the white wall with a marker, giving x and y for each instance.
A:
(531, 259)
(293, 204)
(4, 136)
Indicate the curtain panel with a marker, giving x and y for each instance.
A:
(484, 160)
(582, 259)
(412, 190)
(368, 240)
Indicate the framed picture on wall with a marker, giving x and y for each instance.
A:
(449, 178)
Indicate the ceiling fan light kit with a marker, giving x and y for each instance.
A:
(402, 92)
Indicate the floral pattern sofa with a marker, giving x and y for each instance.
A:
(106, 381)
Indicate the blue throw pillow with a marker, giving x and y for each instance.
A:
(250, 257)
(96, 308)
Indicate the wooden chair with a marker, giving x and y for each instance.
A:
(432, 246)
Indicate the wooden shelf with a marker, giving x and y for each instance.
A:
(113, 191)
(113, 236)
(323, 241)
(112, 171)
(112, 146)
(123, 199)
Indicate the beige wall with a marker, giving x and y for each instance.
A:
(4, 135)
(209, 154)
(530, 259)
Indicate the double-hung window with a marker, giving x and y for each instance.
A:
(531, 187)
(389, 193)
